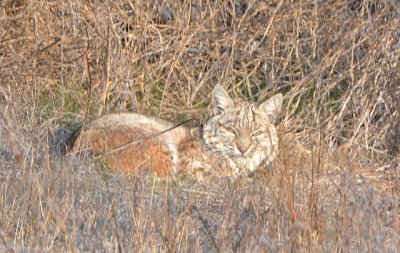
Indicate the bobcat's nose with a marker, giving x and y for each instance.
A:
(243, 145)
(243, 149)
(243, 140)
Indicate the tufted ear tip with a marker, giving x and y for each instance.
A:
(221, 100)
(272, 107)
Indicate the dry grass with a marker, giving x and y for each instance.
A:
(334, 187)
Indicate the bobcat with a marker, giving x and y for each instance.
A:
(236, 139)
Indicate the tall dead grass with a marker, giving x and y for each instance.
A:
(334, 187)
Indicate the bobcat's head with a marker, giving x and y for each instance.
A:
(242, 133)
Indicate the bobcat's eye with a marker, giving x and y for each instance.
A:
(257, 133)
(227, 130)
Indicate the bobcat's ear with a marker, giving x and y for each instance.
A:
(272, 107)
(221, 100)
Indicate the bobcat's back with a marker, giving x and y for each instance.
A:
(132, 142)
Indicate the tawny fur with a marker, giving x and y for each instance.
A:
(237, 139)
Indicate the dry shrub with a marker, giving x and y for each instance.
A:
(336, 62)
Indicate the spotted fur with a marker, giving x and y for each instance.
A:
(236, 139)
